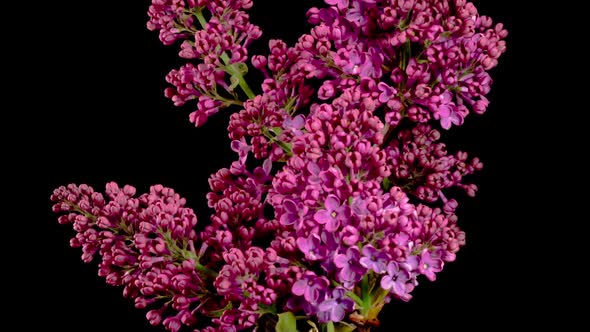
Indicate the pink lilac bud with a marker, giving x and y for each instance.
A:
(338, 171)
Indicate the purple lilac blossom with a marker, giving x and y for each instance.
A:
(331, 185)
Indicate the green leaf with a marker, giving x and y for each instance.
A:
(344, 327)
(286, 323)
(330, 326)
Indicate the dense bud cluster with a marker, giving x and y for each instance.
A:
(340, 197)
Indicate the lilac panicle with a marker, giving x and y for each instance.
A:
(341, 183)
(144, 244)
(430, 58)
(218, 44)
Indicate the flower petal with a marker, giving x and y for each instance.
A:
(322, 216)
(332, 203)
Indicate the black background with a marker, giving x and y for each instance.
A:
(94, 111)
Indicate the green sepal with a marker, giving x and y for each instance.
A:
(286, 323)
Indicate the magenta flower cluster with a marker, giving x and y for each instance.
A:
(338, 201)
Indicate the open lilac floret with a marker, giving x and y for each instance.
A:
(340, 199)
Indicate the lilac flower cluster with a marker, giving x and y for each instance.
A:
(423, 168)
(339, 199)
(330, 202)
(145, 244)
(269, 119)
(423, 58)
(219, 46)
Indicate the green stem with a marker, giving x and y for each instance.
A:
(379, 296)
(237, 74)
(273, 139)
(226, 60)
(218, 313)
(81, 211)
(355, 297)
(290, 106)
(181, 254)
(366, 296)
(226, 101)
(205, 270)
(406, 55)
(200, 17)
